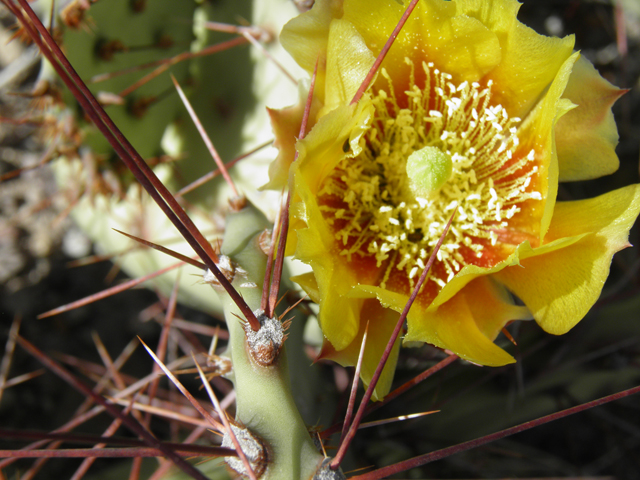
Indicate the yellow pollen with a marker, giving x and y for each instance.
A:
(448, 149)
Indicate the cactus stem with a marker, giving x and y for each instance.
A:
(167, 62)
(164, 42)
(138, 107)
(264, 402)
(230, 434)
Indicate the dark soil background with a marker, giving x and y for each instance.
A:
(599, 357)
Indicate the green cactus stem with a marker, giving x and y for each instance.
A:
(265, 404)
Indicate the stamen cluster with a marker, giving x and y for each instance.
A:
(369, 200)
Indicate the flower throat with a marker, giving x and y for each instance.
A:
(449, 149)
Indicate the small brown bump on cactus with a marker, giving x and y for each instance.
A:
(138, 5)
(73, 14)
(265, 344)
(219, 366)
(326, 473)
(107, 49)
(265, 241)
(253, 448)
(229, 269)
(237, 203)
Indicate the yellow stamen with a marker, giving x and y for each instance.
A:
(449, 149)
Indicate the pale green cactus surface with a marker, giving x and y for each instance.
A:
(231, 108)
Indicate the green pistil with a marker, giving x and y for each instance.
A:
(428, 169)
(449, 149)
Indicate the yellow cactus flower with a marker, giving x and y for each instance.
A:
(474, 113)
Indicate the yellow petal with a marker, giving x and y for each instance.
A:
(587, 136)
(327, 140)
(469, 39)
(560, 286)
(522, 252)
(339, 316)
(305, 38)
(458, 44)
(307, 281)
(286, 128)
(468, 323)
(492, 306)
(381, 324)
(537, 133)
(348, 62)
(530, 61)
(315, 244)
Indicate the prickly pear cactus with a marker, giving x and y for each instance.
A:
(121, 35)
(229, 90)
(264, 357)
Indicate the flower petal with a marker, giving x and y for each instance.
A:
(305, 38)
(458, 44)
(348, 62)
(382, 321)
(471, 272)
(339, 316)
(530, 61)
(313, 241)
(286, 128)
(587, 136)
(560, 286)
(307, 281)
(529, 76)
(327, 140)
(468, 323)
(537, 133)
